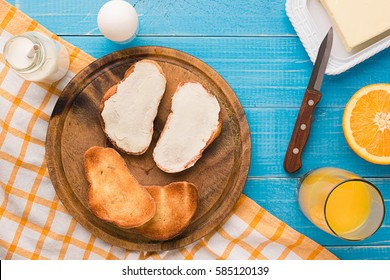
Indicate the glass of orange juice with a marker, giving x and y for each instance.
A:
(341, 203)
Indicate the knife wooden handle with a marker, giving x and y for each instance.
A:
(293, 158)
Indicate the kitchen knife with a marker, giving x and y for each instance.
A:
(293, 158)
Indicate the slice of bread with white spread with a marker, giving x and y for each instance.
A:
(129, 108)
(176, 205)
(114, 194)
(192, 125)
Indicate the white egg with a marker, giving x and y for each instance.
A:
(118, 21)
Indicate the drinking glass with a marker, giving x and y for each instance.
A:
(341, 203)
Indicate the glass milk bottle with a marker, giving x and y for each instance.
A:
(36, 57)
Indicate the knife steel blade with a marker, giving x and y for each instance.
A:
(321, 62)
(301, 132)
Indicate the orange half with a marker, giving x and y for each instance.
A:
(366, 123)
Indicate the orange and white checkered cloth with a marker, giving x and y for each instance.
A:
(35, 225)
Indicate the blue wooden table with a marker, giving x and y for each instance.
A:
(252, 44)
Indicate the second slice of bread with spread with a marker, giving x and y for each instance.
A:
(192, 125)
(129, 108)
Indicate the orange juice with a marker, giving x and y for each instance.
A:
(341, 203)
(348, 207)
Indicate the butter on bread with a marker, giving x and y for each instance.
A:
(129, 108)
(192, 125)
(114, 195)
(176, 205)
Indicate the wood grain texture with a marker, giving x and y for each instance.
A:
(271, 130)
(219, 175)
(253, 46)
(361, 252)
(168, 18)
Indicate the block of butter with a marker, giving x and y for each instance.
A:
(358, 21)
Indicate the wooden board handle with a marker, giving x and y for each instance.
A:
(293, 158)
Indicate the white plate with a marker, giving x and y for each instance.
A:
(311, 22)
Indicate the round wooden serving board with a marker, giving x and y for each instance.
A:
(74, 127)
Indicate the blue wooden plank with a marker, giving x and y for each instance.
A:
(264, 72)
(271, 129)
(361, 252)
(168, 17)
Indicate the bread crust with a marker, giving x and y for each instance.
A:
(176, 206)
(112, 91)
(114, 195)
(214, 135)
